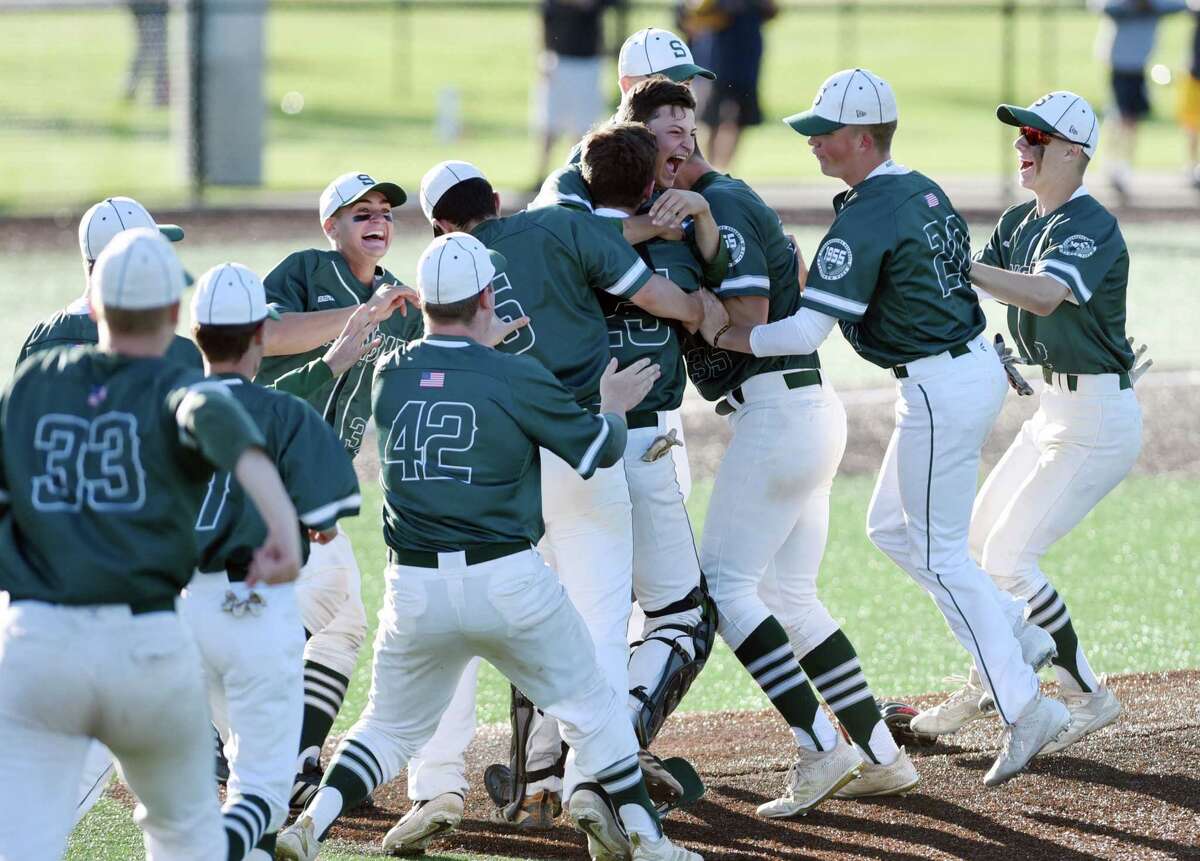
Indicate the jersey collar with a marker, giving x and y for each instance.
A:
(1079, 192)
(610, 213)
(706, 180)
(453, 342)
(888, 168)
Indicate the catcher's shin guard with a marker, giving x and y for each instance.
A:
(506, 784)
(687, 649)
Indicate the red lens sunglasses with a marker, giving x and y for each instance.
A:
(1037, 137)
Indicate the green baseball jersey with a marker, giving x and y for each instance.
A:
(558, 261)
(315, 280)
(894, 269)
(312, 462)
(1080, 245)
(762, 262)
(72, 326)
(104, 461)
(459, 430)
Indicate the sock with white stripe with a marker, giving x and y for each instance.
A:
(354, 772)
(1047, 610)
(623, 783)
(245, 820)
(837, 675)
(767, 656)
(324, 691)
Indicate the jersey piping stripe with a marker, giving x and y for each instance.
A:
(329, 511)
(1075, 285)
(345, 286)
(589, 456)
(631, 275)
(834, 301)
(744, 281)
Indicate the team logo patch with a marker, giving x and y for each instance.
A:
(1078, 246)
(735, 242)
(834, 259)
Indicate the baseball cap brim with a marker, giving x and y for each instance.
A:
(1017, 116)
(684, 73)
(172, 232)
(392, 193)
(809, 123)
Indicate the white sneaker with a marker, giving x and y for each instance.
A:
(815, 776)
(297, 842)
(1089, 712)
(426, 820)
(591, 813)
(895, 778)
(662, 849)
(1038, 648)
(955, 712)
(1038, 724)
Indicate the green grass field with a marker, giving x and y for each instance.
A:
(370, 76)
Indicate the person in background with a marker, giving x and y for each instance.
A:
(150, 58)
(567, 97)
(726, 36)
(1124, 42)
(1189, 101)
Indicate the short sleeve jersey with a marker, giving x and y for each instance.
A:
(72, 326)
(315, 280)
(106, 460)
(1079, 245)
(312, 463)
(894, 269)
(460, 427)
(762, 262)
(558, 262)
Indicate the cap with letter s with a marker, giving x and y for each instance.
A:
(230, 295)
(1061, 113)
(456, 266)
(106, 219)
(349, 187)
(136, 271)
(851, 97)
(659, 52)
(442, 177)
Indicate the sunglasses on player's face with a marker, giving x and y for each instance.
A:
(1037, 137)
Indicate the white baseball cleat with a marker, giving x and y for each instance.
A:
(815, 776)
(1042, 721)
(955, 712)
(1089, 712)
(426, 820)
(662, 849)
(298, 842)
(591, 813)
(1038, 648)
(895, 778)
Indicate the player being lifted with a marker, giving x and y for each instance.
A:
(893, 271)
(113, 446)
(316, 292)
(461, 427)
(1060, 264)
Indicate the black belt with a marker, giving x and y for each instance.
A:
(792, 379)
(1073, 379)
(641, 419)
(474, 555)
(900, 372)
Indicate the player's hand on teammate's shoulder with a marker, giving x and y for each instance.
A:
(674, 205)
(389, 297)
(621, 391)
(358, 338)
(1138, 370)
(499, 329)
(716, 317)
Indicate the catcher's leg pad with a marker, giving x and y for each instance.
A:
(687, 641)
(506, 784)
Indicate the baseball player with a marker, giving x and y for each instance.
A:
(461, 428)
(105, 456)
(1060, 264)
(73, 325)
(251, 639)
(893, 271)
(316, 292)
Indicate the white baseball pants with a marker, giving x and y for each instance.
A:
(921, 508)
(254, 675)
(71, 674)
(1076, 448)
(329, 595)
(440, 765)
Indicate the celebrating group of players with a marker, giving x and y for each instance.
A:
(526, 398)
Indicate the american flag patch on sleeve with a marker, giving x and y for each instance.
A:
(432, 379)
(931, 199)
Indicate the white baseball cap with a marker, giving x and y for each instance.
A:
(106, 219)
(456, 266)
(230, 295)
(137, 270)
(659, 52)
(441, 178)
(349, 187)
(851, 97)
(1060, 113)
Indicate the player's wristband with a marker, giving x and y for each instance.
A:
(720, 332)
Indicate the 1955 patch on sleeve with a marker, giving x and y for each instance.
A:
(834, 259)
(1078, 246)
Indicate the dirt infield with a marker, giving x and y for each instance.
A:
(1131, 791)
